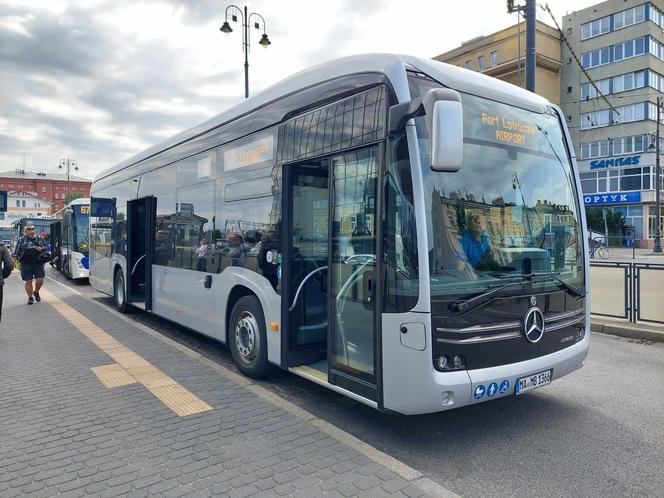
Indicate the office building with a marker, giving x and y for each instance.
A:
(620, 44)
(52, 187)
(503, 56)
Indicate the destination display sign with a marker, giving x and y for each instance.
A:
(256, 151)
(506, 129)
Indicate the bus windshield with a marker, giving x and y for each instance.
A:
(510, 212)
(80, 223)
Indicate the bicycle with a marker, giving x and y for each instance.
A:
(599, 247)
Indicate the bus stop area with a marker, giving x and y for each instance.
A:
(95, 404)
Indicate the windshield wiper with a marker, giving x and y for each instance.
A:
(473, 302)
(465, 304)
(553, 275)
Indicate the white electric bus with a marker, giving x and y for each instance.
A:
(402, 231)
(71, 239)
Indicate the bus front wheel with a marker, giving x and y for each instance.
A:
(119, 292)
(247, 337)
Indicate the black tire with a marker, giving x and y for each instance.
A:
(247, 337)
(65, 270)
(120, 292)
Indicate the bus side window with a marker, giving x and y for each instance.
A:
(399, 232)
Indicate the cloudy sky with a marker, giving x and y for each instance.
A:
(100, 80)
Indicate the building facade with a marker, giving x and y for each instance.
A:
(24, 205)
(620, 44)
(503, 56)
(52, 187)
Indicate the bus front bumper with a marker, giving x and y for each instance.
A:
(447, 390)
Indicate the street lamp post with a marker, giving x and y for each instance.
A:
(67, 164)
(246, 19)
(658, 223)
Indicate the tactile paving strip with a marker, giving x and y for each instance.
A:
(129, 367)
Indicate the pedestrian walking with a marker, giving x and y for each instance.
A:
(28, 251)
(7, 264)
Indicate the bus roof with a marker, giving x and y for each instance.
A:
(392, 65)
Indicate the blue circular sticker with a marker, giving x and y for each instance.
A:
(479, 391)
(279, 272)
(492, 389)
(504, 386)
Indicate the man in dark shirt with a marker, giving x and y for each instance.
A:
(27, 252)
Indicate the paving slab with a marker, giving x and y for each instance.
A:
(73, 423)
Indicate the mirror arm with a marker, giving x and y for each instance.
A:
(401, 113)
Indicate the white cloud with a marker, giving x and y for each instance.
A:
(100, 80)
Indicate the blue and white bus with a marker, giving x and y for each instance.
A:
(402, 231)
(73, 239)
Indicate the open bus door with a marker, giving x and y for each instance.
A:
(56, 244)
(141, 220)
(330, 309)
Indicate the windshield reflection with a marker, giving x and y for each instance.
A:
(510, 211)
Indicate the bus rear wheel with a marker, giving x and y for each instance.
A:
(119, 292)
(247, 337)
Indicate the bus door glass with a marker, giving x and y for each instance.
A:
(141, 215)
(353, 271)
(330, 231)
(307, 278)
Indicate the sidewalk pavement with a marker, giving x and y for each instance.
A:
(93, 404)
(623, 328)
(626, 254)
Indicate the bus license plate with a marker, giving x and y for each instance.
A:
(533, 381)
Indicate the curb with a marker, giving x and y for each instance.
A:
(628, 331)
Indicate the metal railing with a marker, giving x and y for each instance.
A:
(626, 290)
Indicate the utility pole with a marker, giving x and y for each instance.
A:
(67, 164)
(246, 19)
(530, 15)
(658, 217)
(531, 31)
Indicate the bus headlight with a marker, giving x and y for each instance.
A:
(448, 363)
(580, 334)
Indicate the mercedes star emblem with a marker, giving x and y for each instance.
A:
(533, 325)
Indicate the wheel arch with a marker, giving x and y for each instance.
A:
(235, 294)
(243, 282)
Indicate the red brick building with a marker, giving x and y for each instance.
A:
(52, 187)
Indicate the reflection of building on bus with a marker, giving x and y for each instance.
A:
(507, 232)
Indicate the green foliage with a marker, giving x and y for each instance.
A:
(614, 221)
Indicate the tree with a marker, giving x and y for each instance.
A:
(615, 222)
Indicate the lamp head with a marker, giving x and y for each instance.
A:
(265, 41)
(226, 28)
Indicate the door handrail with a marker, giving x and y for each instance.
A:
(136, 264)
(304, 280)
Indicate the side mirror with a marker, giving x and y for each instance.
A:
(444, 115)
(68, 218)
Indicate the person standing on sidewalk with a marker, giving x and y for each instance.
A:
(7, 264)
(27, 253)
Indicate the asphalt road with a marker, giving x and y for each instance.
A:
(597, 432)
